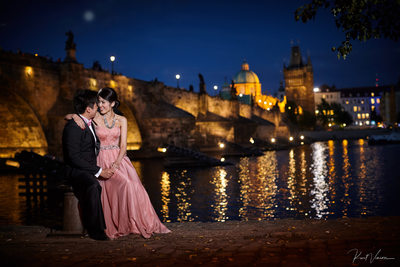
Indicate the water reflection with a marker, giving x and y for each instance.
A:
(346, 179)
(183, 202)
(320, 188)
(258, 187)
(220, 205)
(165, 196)
(324, 180)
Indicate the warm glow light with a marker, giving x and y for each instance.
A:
(302, 137)
(12, 163)
(36, 55)
(302, 143)
(268, 109)
(112, 58)
(240, 95)
(162, 149)
(177, 76)
(221, 145)
(273, 140)
(259, 101)
(222, 159)
(265, 102)
(316, 90)
(28, 71)
(251, 140)
(215, 87)
(270, 103)
(330, 124)
(317, 111)
(289, 107)
(291, 138)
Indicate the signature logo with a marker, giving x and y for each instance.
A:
(370, 257)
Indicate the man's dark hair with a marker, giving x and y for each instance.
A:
(84, 99)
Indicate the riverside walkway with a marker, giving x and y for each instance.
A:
(373, 241)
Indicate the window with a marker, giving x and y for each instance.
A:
(363, 115)
(378, 101)
(362, 101)
(323, 96)
(347, 102)
(372, 94)
(367, 115)
(372, 108)
(359, 108)
(372, 101)
(355, 108)
(359, 116)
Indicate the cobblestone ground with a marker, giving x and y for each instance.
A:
(344, 242)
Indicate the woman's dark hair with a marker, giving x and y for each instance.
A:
(84, 99)
(110, 95)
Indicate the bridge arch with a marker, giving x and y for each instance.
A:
(21, 128)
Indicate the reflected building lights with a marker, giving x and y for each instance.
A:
(332, 175)
(165, 196)
(362, 174)
(221, 198)
(183, 198)
(346, 179)
(320, 190)
(291, 180)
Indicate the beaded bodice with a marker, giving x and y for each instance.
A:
(109, 138)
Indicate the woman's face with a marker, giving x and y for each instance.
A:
(104, 105)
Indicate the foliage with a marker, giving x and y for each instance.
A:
(333, 113)
(375, 117)
(358, 19)
(305, 121)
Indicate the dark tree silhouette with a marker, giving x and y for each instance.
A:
(359, 20)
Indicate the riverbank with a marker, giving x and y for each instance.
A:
(343, 134)
(283, 242)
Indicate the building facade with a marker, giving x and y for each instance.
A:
(366, 105)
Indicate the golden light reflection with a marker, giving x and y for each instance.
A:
(267, 175)
(183, 198)
(220, 197)
(165, 196)
(291, 179)
(258, 186)
(346, 179)
(362, 175)
(319, 170)
(332, 173)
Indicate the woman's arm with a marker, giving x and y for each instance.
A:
(122, 142)
(77, 120)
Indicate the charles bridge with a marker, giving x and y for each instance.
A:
(37, 92)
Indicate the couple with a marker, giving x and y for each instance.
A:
(113, 200)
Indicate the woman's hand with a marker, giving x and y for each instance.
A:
(115, 165)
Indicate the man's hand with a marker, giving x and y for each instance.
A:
(107, 173)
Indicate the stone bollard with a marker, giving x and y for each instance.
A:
(71, 221)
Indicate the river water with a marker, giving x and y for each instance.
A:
(323, 180)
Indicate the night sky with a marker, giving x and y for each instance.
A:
(158, 39)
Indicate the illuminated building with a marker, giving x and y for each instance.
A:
(299, 81)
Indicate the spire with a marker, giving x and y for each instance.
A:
(295, 57)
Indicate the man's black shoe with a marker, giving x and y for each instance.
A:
(99, 236)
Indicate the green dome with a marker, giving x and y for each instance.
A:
(246, 75)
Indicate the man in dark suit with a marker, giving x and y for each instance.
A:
(80, 147)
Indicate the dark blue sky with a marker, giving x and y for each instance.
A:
(162, 38)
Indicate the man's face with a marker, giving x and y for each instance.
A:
(92, 111)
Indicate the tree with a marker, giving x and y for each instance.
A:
(333, 113)
(358, 19)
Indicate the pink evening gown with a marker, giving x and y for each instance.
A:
(126, 205)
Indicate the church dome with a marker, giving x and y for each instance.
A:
(246, 75)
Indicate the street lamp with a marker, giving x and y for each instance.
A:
(177, 80)
(112, 59)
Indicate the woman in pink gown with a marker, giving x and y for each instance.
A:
(126, 204)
